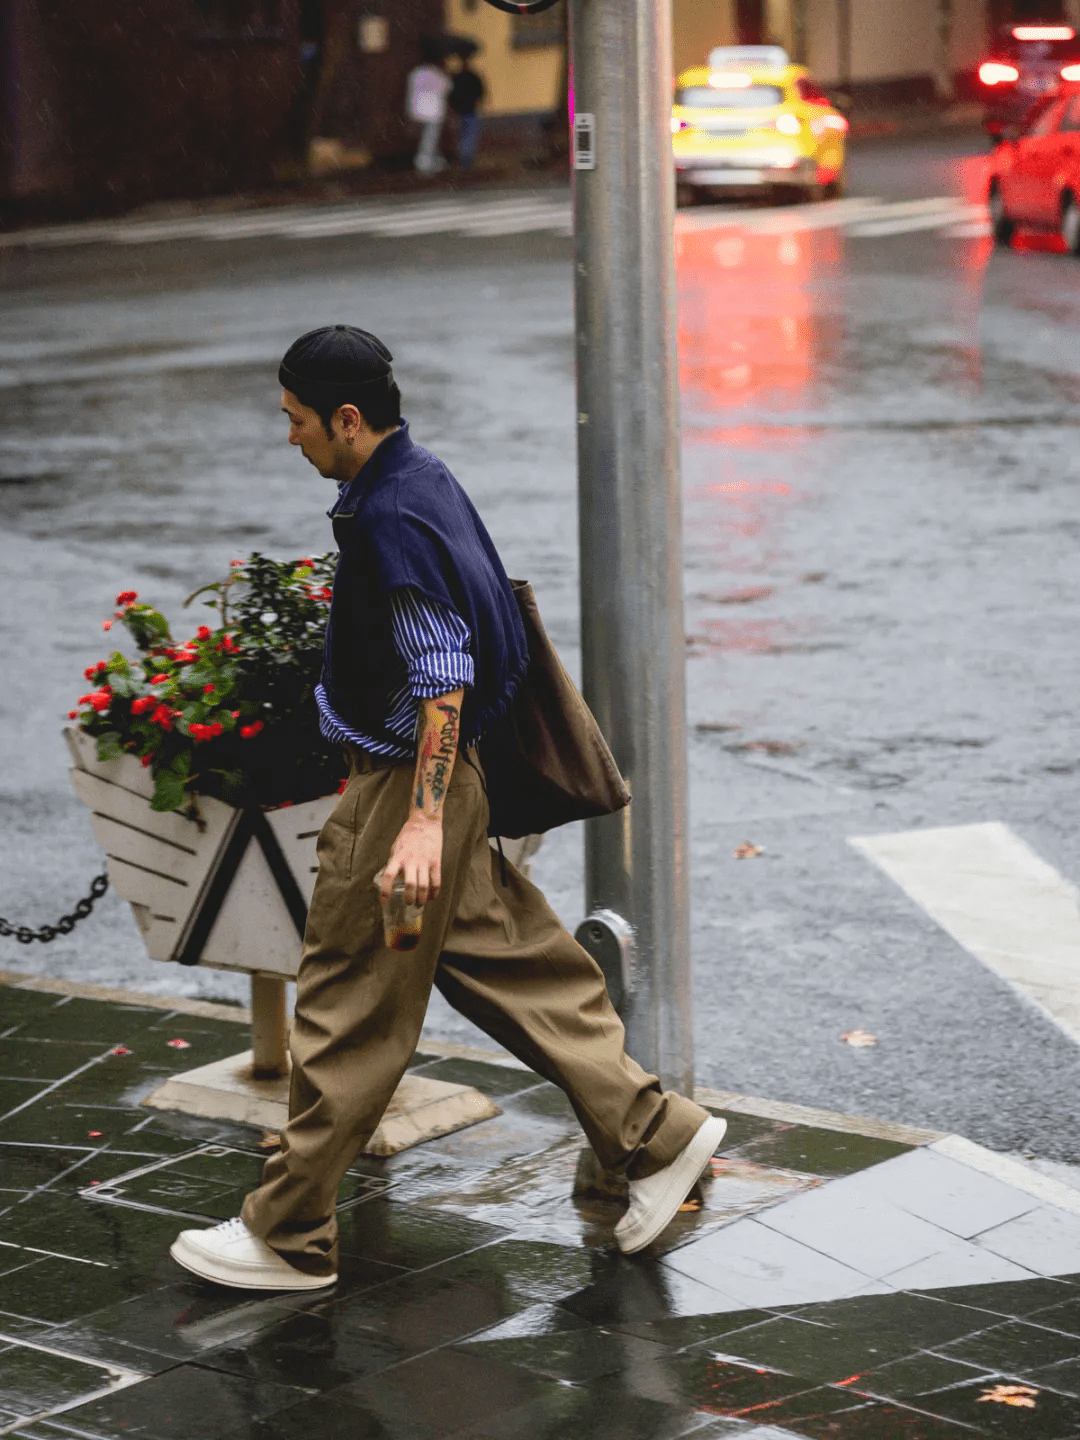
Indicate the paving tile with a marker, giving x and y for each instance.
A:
(54, 1289)
(875, 1420)
(1014, 1348)
(180, 1321)
(1014, 1298)
(32, 1381)
(859, 1229)
(574, 1355)
(741, 1129)
(921, 1322)
(89, 1021)
(26, 1059)
(410, 1236)
(15, 1093)
(544, 1318)
(492, 1080)
(762, 1268)
(17, 1007)
(26, 1167)
(132, 1240)
(820, 1152)
(945, 1192)
(437, 1394)
(308, 1350)
(1063, 1377)
(54, 1122)
(724, 1387)
(1052, 1417)
(957, 1264)
(644, 1406)
(632, 1292)
(818, 1352)
(182, 1403)
(1044, 1240)
(915, 1376)
(680, 1332)
(1065, 1316)
(450, 1301)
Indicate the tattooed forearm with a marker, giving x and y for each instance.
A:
(437, 751)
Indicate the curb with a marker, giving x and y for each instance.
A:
(1004, 1168)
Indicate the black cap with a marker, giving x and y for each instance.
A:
(334, 361)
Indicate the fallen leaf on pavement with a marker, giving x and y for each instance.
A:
(93, 1134)
(271, 1140)
(746, 851)
(178, 1044)
(692, 1204)
(859, 1038)
(1022, 1396)
(119, 1050)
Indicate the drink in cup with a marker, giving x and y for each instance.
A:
(401, 921)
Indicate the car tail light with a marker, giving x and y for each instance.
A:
(1043, 32)
(994, 73)
(823, 123)
(1071, 72)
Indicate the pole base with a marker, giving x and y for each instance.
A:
(421, 1109)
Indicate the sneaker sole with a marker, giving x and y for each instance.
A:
(242, 1278)
(685, 1172)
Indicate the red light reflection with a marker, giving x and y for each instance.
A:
(746, 330)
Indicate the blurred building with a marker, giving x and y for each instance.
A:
(109, 103)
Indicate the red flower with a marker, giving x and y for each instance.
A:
(73, 714)
(142, 704)
(163, 716)
(95, 672)
(199, 732)
(235, 564)
(235, 714)
(203, 632)
(228, 644)
(308, 564)
(101, 699)
(106, 624)
(126, 597)
(159, 679)
(144, 761)
(208, 689)
(216, 729)
(341, 787)
(248, 732)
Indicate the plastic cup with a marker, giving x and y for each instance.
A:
(401, 922)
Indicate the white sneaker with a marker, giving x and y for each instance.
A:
(655, 1201)
(231, 1255)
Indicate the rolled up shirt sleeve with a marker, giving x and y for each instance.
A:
(433, 641)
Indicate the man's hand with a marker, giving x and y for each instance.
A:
(417, 852)
(417, 856)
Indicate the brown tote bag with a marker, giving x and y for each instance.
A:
(546, 762)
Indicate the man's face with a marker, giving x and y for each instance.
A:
(331, 455)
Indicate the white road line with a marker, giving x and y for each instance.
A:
(973, 231)
(999, 900)
(951, 214)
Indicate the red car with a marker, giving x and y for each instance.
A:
(1035, 178)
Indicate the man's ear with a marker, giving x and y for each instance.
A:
(352, 422)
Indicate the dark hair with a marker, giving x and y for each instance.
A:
(379, 402)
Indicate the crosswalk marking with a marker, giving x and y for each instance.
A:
(1003, 903)
(861, 217)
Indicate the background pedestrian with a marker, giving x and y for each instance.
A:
(466, 93)
(425, 102)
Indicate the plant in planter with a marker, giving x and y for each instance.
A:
(203, 765)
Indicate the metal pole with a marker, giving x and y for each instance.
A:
(633, 641)
(269, 1027)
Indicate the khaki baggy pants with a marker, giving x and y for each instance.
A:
(498, 954)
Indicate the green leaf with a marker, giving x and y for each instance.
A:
(108, 746)
(169, 792)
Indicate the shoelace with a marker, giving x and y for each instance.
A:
(231, 1229)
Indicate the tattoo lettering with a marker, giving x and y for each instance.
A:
(437, 755)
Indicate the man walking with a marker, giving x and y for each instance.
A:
(424, 649)
(466, 94)
(426, 90)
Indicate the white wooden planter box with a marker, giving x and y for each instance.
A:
(231, 892)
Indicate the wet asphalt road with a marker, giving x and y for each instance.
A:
(882, 513)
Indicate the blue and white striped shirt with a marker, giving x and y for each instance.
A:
(432, 643)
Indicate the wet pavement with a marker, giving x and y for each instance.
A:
(881, 518)
(831, 1283)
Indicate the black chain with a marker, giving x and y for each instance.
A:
(65, 924)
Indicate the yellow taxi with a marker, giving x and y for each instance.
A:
(750, 119)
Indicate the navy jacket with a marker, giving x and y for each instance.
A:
(405, 520)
